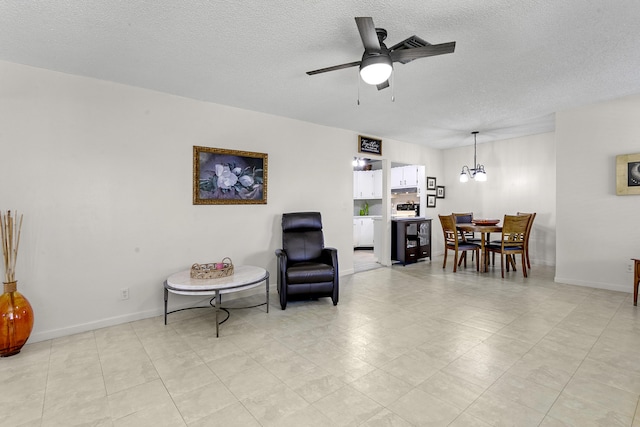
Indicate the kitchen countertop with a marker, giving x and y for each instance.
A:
(393, 218)
(413, 218)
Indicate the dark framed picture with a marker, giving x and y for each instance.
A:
(440, 191)
(431, 200)
(431, 183)
(628, 174)
(369, 145)
(229, 177)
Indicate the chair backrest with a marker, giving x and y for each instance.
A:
(302, 237)
(514, 230)
(466, 217)
(530, 225)
(449, 230)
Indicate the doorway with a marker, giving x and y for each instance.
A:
(367, 212)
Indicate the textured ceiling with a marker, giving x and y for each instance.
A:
(515, 64)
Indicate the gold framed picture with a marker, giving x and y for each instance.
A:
(229, 177)
(628, 174)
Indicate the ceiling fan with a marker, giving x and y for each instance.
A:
(376, 64)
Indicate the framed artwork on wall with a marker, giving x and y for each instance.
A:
(431, 183)
(628, 174)
(369, 145)
(440, 191)
(431, 200)
(229, 177)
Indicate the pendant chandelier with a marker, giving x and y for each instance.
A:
(477, 172)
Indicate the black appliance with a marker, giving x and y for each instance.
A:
(409, 207)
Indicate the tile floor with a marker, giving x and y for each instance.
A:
(414, 345)
(364, 259)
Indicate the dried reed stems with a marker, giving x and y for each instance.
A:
(10, 233)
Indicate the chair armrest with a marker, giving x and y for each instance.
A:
(283, 260)
(281, 266)
(330, 256)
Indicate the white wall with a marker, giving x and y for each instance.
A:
(103, 175)
(597, 230)
(521, 177)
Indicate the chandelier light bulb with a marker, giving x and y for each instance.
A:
(477, 173)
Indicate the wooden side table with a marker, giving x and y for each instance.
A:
(636, 280)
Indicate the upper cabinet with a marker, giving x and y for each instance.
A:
(404, 176)
(377, 184)
(367, 184)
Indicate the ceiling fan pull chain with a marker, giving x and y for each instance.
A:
(393, 88)
(358, 75)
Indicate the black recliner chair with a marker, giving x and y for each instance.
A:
(306, 269)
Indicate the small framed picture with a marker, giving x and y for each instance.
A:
(440, 191)
(431, 183)
(369, 145)
(431, 200)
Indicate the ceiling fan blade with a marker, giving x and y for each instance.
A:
(334, 68)
(368, 34)
(422, 52)
(383, 85)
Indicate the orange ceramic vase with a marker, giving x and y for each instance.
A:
(16, 320)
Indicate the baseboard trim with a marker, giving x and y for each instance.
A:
(141, 315)
(596, 285)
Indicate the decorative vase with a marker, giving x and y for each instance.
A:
(16, 320)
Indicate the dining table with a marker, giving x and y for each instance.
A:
(485, 228)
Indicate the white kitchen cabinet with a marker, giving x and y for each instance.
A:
(366, 232)
(410, 174)
(356, 232)
(367, 184)
(404, 176)
(377, 184)
(362, 232)
(396, 177)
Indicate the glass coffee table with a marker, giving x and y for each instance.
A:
(244, 277)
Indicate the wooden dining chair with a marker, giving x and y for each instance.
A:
(514, 231)
(526, 242)
(455, 241)
(512, 260)
(466, 218)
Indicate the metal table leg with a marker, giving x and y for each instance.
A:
(218, 297)
(166, 299)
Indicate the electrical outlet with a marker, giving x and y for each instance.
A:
(124, 293)
(629, 268)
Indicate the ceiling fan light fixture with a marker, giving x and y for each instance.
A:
(375, 69)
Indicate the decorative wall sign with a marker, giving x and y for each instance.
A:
(369, 145)
(431, 183)
(229, 177)
(628, 174)
(440, 192)
(431, 200)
